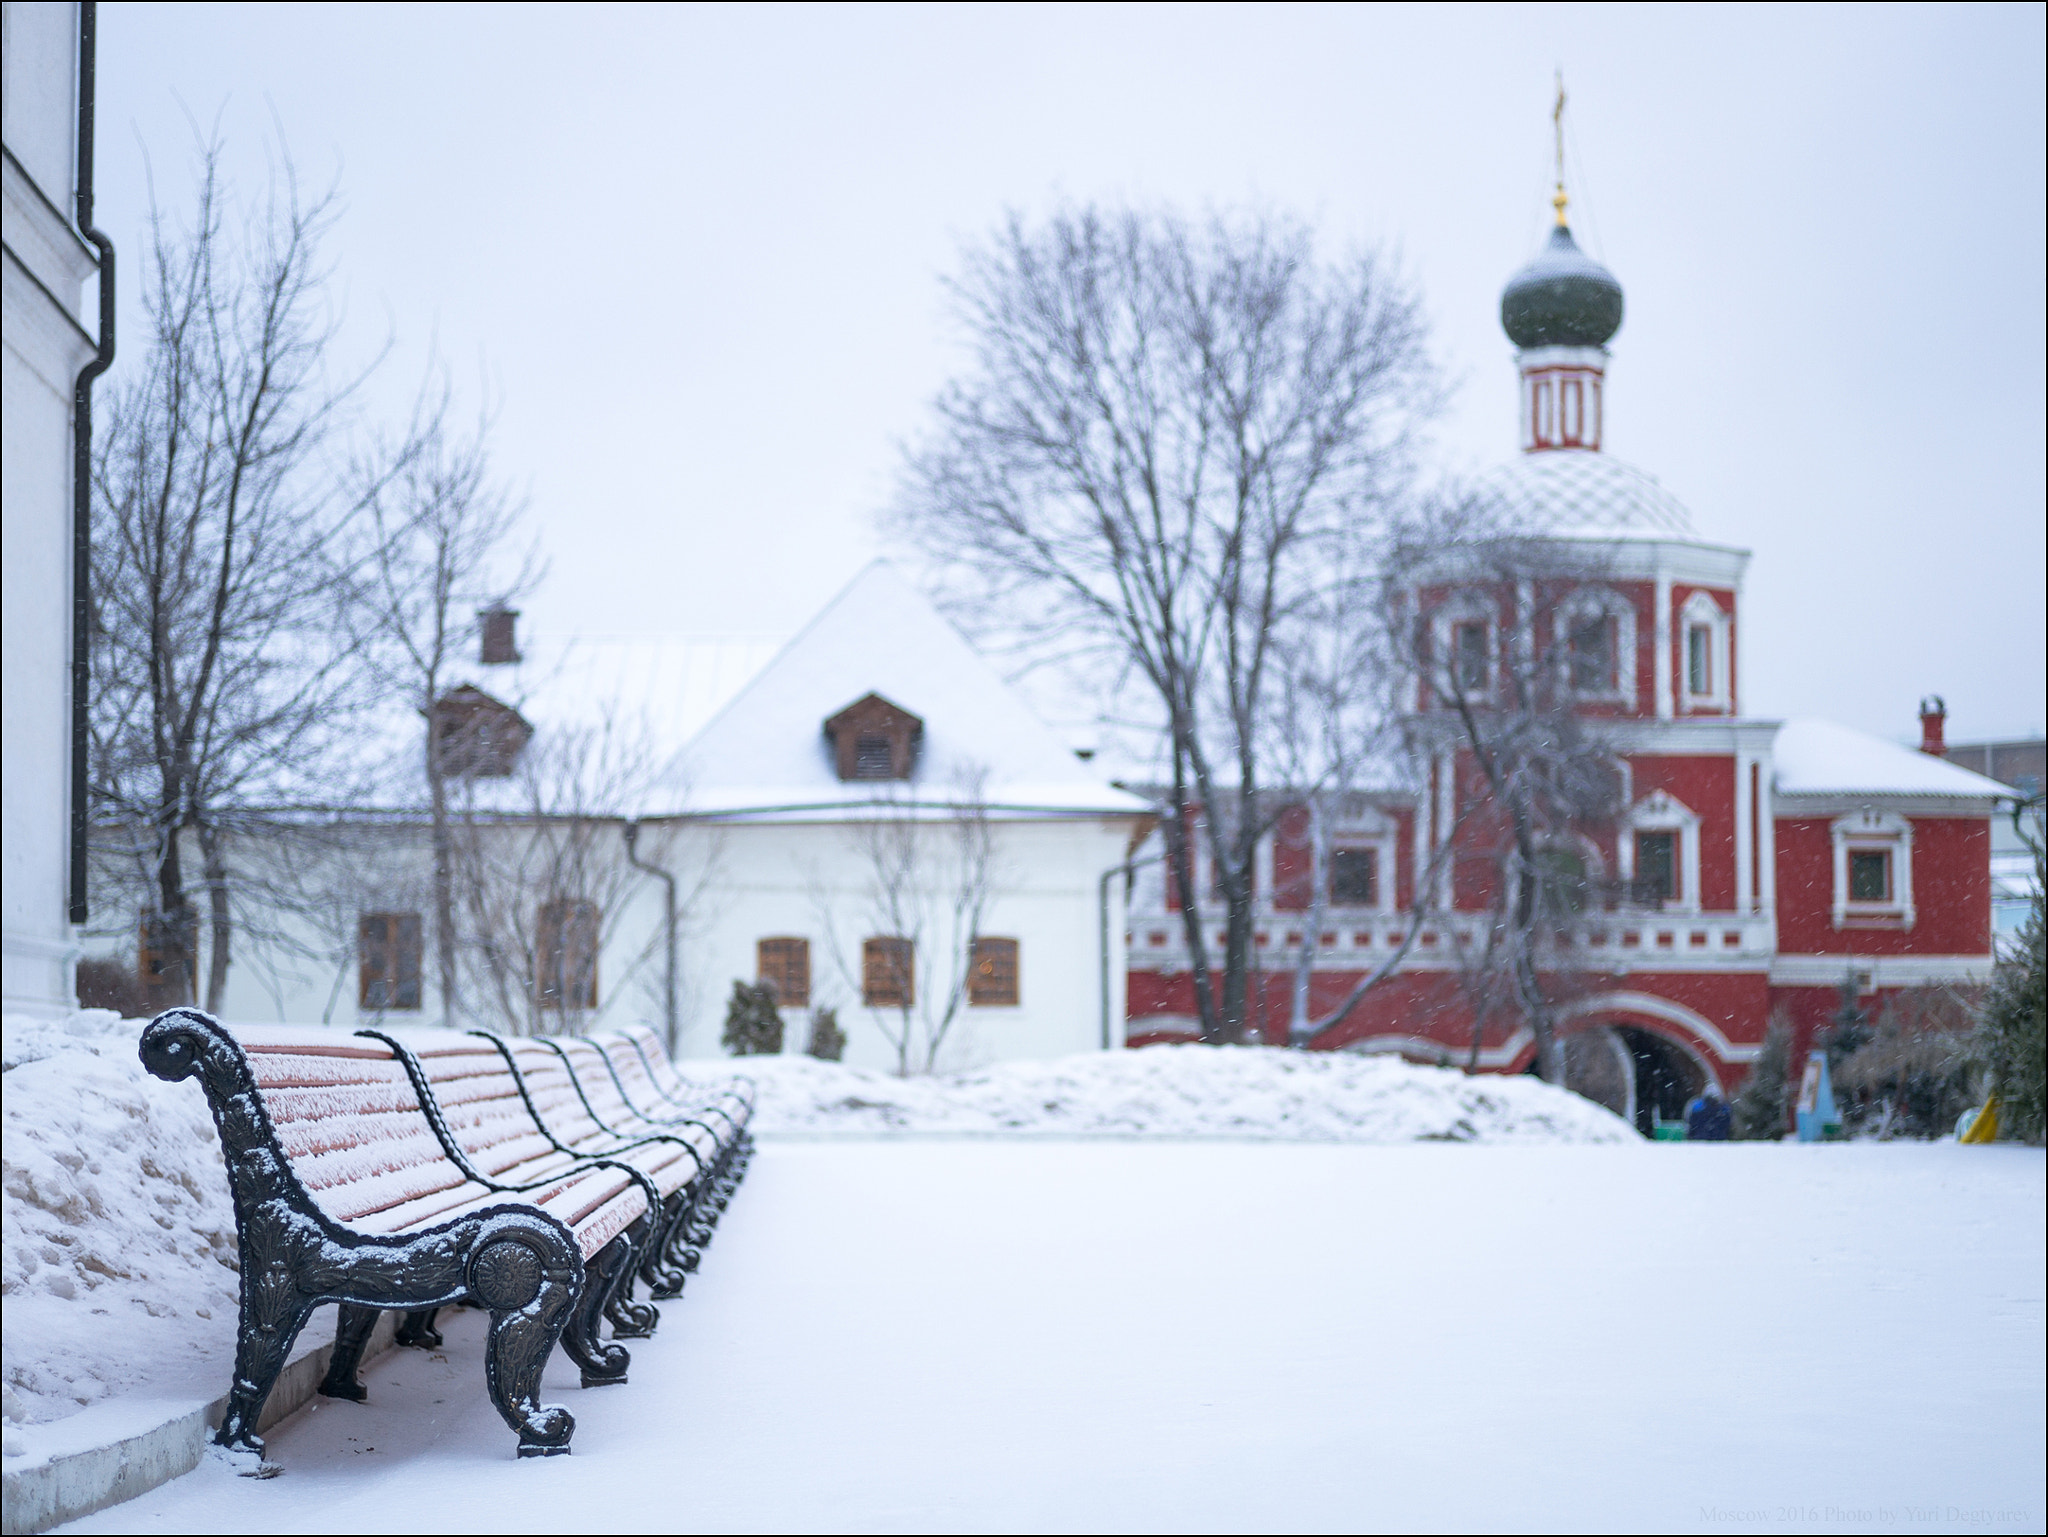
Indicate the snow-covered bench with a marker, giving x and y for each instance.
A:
(352, 1186)
(516, 1111)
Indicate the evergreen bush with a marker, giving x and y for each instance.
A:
(1764, 1100)
(1919, 1069)
(753, 1025)
(828, 1041)
(2015, 1015)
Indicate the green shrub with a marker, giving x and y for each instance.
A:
(828, 1041)
(753, 1025)
(1917, 1070)
(2013, 1025)
(1764, 1100)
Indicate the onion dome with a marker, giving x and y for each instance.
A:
(1561, 299)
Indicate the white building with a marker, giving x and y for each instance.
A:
(868, 816)
(45, 59)
(862, 745)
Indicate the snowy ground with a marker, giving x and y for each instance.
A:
(119, 1257)
(1178, 1091)
(1009, 1334)
(119, 1267)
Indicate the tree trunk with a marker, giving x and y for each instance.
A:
(213, 862)
(444, 860)
(173, 937)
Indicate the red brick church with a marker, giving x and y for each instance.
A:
(1759, 867)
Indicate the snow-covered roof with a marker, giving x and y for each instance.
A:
(1818, 757)
(766, 750)
(1581, 491)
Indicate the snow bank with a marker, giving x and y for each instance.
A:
(1181, 1091)
(118, 1262)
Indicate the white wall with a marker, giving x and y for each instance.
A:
(785, 878)
(44, 349)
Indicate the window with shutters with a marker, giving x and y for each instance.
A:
(389, 948)
(992, 976)
(888, 973)
(565, 946)
(785, 965)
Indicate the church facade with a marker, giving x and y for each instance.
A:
(1756, 869)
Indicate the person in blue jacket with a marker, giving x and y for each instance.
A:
(1708, 1118)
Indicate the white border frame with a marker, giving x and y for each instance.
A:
(1659, 812)
(1606, 602)
(1876, 832)
(1702, 612)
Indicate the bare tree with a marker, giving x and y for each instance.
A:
(542, 874)
(1535, 780)
(1168, 434)
(437, 557)
(928, 873)
(224, 661)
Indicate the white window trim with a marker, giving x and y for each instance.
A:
(1874, 831)
(1658, 812)
(1382, 836)
(1465, 608)
(1702, 611)
(1585, 605)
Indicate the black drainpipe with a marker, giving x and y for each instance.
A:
(668, 920)
(81, 464)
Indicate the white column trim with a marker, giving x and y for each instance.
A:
(1663, 646)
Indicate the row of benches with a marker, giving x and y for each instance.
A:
(535, 1178)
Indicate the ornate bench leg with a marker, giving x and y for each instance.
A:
(273, 1313)
(602, 1361)
(530, 1303)
(660, 1269)
(351, 1334)
(417, 1329)
(631, 1319)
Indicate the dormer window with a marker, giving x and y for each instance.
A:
(874, 738)
(874, 758)
(476, 736)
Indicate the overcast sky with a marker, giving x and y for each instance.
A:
(695, 253)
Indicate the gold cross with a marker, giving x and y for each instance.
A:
(1557, 200)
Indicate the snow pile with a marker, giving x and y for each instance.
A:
(119, 1265)
(1181, 1091)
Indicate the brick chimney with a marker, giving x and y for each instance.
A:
(500, 638)
(1933, 715)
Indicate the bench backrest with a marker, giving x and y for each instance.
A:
(347, 1118)
(479, 1098)
(553, 1091)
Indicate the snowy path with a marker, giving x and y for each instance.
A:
(1113, 1335)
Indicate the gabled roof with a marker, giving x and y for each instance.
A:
(766, 751)
(1817, 757)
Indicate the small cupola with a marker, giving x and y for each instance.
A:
(874, 738)
(1561, 311)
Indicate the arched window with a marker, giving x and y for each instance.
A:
(1703, 654)
(1660, 854)
(1595, 637)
